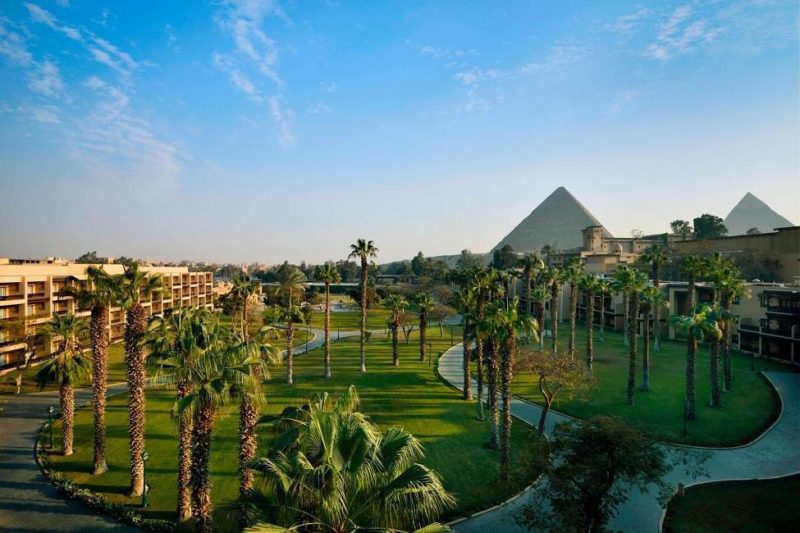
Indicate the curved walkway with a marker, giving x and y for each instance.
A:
(774, 454)
(28, 502)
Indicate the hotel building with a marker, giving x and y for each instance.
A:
(29, 297)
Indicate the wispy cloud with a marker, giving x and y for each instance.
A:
(318, 108)
(43, 16)
(172, 38)
(13, 44)
(681, 33)
(627, 24)
(46, 80)
(621, 100)
(561, 55)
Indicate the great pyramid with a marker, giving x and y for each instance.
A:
(558, 220)
(751, 212)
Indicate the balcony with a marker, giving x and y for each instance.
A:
(36, 296)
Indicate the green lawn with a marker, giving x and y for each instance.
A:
(351, 320)
(746, 411)
(752, 506)
(410, 396)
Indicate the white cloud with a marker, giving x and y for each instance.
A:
(282, 117)
(621, 100)
(560, 56)
(63, 3)
(679, 34)
(172, 38)
(328, 86)
(42, 114)
(318, 108)
(13, 45)
(45, 17)
(47, 80)
(627, 24)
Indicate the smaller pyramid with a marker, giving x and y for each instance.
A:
(559, 220)
(751, 212)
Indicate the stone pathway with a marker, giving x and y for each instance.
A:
(28, 502)
(774, 454)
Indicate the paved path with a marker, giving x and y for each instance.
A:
(28, 502)
(774, 454)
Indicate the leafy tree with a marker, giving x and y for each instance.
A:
(418, 264)
(66, 368)
(468, 260)
(364, 250)
(504, 258)
(755, 264)
(327, 274)
(682, 228)
(709, 227)
(136, 285)
(595, 465)
(100, 293)
(331, 469)
(753, 231)
(88, 258)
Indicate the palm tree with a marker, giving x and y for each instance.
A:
(331, 469)
(572, 274)
(488, 330)
(425, 303)
(291, 315)
(66, 368)
(482, 283)
(637, 283)
(623, 277)
(603, 289)
(552, 277)
(136, 284)
(397, 306)
(244, 287)
(712, 324)
(540, 294)
(590, 285)
(695, 267)
(464, 301)
(649, 297)
(657, 256)
(227, 362)
(692, 323)
(292, 282)
(101, 292)
(530, 264)
(327, 274)
(732, 288)
(364, 250)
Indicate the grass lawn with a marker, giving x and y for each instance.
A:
(737, 506)
(746, 411)
(351, 320)
(410, 396)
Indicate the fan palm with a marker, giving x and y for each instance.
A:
(290, 315)
(482, 283)
(101, 292)
(572, 274)
(425, 303)
(331, 469)
(488, 330)
(464, 301)
(649, 297)
(713, 326)
(552, 277)
(540, 294)
(635, 285)
(692, 323)
(292, 282)
(590, 285)
(397, 306)
(732, 287)
(66, 368)
(657, 256)
(327, 274)
(530, 264)
(363, 250)
(136, 285)
(623, 278)
(603, 289)
(245, 287)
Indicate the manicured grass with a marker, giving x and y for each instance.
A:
(737, 506)
(351, 320)
(410, 396)
(746, 411)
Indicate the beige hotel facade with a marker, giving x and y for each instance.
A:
(29, 297)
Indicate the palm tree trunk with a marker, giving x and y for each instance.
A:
(327, 330)
(505, 371)
(727, 325)
(467, 380)
(554, 316)
(479, 363)
(395, 343)
(134, 354)
(625, 319)
(573, 312)
(632, 316)
(714, 367)
(423, 334)
(646, 353)
(541, 313)
(656, 313)
(248, 418)
(494, 415)
(289, 352)
(201, 454)
(528, 303)
(590, 334)
(184, 459)
(67, 400)
(363, 338)
(602, 317)
(691, 391)
(98, 336)
(244, 317)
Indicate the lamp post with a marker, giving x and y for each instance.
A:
(145, 457)
(50, 411)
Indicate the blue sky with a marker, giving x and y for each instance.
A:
(263, 130)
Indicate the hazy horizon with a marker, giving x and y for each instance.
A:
(258, 130)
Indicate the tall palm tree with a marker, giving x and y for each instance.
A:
(425, 303)
(327, 274)
(464, 302)
(101, 292)
(66, 368)
(695, 268)
(290, 315)
(530, 264)
(245, 287)
(552, 277)
(712, 324)
(488, 329)
(136, 285)
(603, 289)
(657, 256)
(590, 285)
(540, 294)
(572, 274)
(650, 296)
(623, 278)
(292, 283)
(331, 469)
(637, 283)
(692, 322)
(397, 306)
(227, 362)
(732, 288)
(482, 283)
(363, 250)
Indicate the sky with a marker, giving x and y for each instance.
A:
(262, 130)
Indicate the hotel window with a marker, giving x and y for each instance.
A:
(3, 313)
